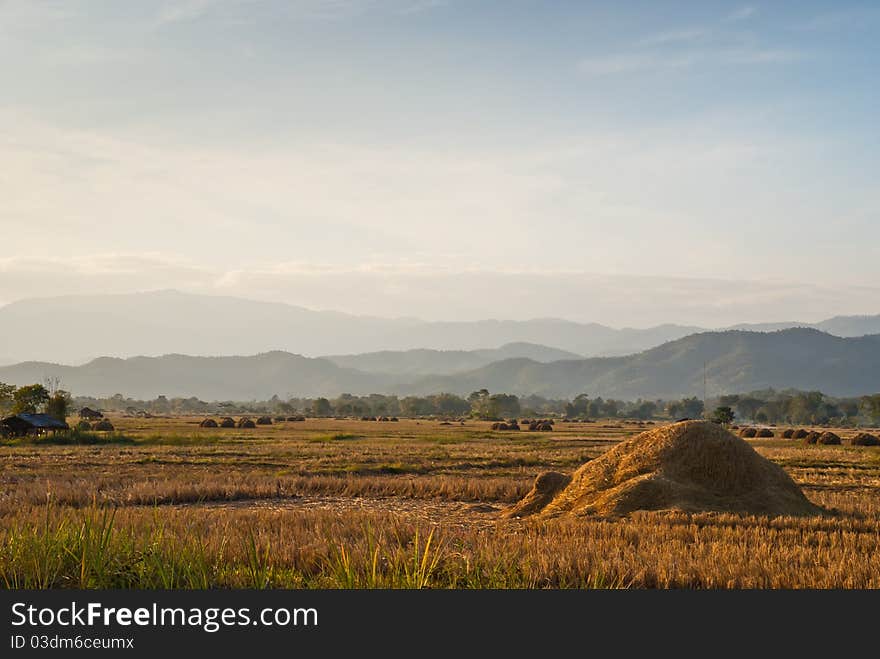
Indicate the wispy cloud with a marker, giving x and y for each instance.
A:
(741, 14)
(837, 20)
(690, 35)
(762, 56)
(656, 62)
(185, 10)
(632, 63)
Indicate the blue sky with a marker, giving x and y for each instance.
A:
(298, 150)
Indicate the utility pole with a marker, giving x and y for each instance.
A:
(705, 388)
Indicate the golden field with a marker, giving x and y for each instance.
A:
(163, 503)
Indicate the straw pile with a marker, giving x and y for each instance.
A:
(692, 466)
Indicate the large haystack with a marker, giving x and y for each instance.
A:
(246, 422)
(208, 423)
(692, 466)
(227, 422)
(748, 433)
(103, 425)
(764, 433)
(800, 433)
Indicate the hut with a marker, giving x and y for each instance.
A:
(21, 425)
(89, 413)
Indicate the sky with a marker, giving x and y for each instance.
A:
(630, 163)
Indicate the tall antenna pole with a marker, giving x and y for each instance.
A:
(705, 387)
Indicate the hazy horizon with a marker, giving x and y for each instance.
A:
(701, 164)
(562, 310)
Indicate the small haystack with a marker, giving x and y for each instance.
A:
(300, 417)
(800, 433)
(279, 419)
(812, 437)
(246, 422)
(693, 466)
(208, 423)
(104, 425)
(84, 426)
(264, 421)
(788, 433)
(765, 433)
(829, 439)
(864, 439)
(227, 422)
(748, 433)
(541, 425)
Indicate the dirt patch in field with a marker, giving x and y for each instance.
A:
(693, 466)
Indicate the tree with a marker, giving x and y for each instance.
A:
(321, 407)
(30, 399)
(723, 415)
(580, 406)
(6, 397)
(747, 406)
(479, 401)
(871, 407)
(503, 406)
(644, 409)
(58, 405)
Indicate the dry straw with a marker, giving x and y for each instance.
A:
(692, 466)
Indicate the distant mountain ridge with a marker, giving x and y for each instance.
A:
(445, 362)
(74, 329)
(734, 361)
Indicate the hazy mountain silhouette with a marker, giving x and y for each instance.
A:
(74, 329)
(735, 361)
(445, 362)
(209, 378)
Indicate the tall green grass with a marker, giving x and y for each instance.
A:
(90, 549)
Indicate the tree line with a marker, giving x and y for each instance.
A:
(767, 406)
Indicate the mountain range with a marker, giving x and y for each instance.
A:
(730, 361)
(75, 329)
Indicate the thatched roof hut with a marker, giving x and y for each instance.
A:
(89, 413)
(23, 424)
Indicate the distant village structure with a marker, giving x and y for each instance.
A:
(89, 413)
(22, 425)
